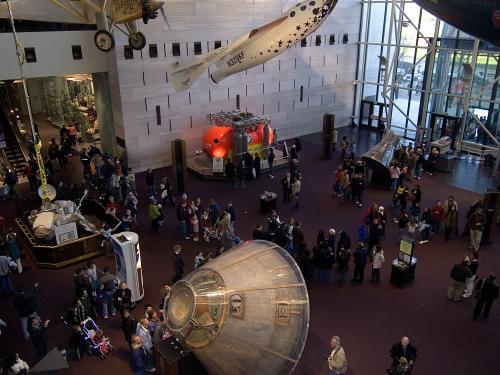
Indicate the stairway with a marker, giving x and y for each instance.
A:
(13, 150)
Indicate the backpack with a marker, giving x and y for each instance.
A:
(111, 285)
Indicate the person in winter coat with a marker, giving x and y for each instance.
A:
(38, 333)
(360, 256)
(459, 274)
(150, 182)
(473, 267)
(140, 359)
(129, 325)
(378, 259)
(26, 305)
(476, 223)
(123, 298)
(487, 292)
(296, 191)
(13, 249)
(256, 166)
(230, 171)
(450, 222)
(178, 264)
(437, 216)
(337, 362)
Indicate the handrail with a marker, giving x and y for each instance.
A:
(19, 138)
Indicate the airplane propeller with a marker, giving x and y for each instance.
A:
(164, 15)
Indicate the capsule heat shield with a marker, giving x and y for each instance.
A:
(245, 312)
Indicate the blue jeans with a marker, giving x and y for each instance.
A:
(107, 299)
(418, 170)
(6, 285)
(394, 184)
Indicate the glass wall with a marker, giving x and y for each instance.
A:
(431, 74)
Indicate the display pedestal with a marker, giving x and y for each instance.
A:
(268, 202)
(400, 276)
(170, 360)
(444, 163)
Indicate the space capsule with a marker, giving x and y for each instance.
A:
(245, 312)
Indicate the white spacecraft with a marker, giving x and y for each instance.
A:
(255, 47)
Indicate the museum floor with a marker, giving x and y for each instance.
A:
(369, 319)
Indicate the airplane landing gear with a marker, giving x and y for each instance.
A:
(104, 40)
(137, 41)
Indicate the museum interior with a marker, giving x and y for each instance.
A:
(233, 187)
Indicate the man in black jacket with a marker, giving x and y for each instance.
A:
(230, 171)
(259, 234)
(178, 264)
(459, 274)
(403, 349)
(26, 305)
(487, 292)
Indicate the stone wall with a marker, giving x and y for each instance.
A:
(324, 72)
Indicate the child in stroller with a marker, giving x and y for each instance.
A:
(95, 338)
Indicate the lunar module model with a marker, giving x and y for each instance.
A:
(245, 312)
(234, 133)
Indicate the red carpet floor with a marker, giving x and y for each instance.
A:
(368, 318)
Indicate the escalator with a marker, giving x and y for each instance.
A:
(14, 152)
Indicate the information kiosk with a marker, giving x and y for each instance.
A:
(128, 262)
(403, 268)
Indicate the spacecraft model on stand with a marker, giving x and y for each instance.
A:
(246, 312)
(255, 47)
(235, 133)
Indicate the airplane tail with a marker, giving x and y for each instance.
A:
(182, 73)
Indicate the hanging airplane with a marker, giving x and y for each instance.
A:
(255, 47)
(480, 18)
(106, 14)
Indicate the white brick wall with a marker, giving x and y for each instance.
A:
(326, 73)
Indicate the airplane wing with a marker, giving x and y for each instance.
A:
(64, 11)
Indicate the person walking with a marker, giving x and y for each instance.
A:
(286, 184)
(395, 172)
(230, 172)
(473, 267)
(360, 259)
(477, 221)
(26, 305)
(38, 333)
(270, 161)
(437, 216)
(459, 274)
(109, 285)
(343, 148)
(337, 362)
(450, 222)
(296, 191)
(486, 293)
(178, 264)
(150, 182)
(256, 165)
(154, 215)
(378, 259)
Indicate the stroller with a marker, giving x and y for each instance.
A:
(84, 340)
(211, 233)
(95, 339)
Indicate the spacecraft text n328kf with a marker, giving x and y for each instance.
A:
(255, 47)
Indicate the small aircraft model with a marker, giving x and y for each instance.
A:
(480, 18)
(255, 47)
(106, 14)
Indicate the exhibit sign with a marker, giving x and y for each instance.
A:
(218, 165)
(406, 246)
(66, 233)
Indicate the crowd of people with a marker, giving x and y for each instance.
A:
(99, 293)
